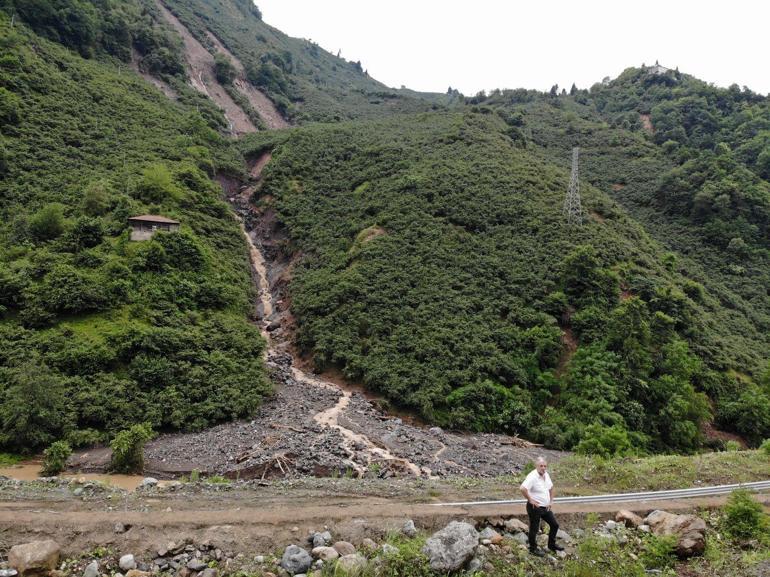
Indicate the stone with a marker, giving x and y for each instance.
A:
(644, 528)
(92, 569)
(209, 572)
(452, 547)
(352, 564)
(368, 544)
(610, 525)
(296, 560)
(196, 565)
(137, 573)
(475, 564)
(409, 529)
(119, 528)
(78, 492)
(344, 548)
(259, 559)
(689, 530)
(521, 538)
(148, 482)
(628, 518)
(514, 525)
(34, 558)
(325, 553)
(8, 573)
(491, 535)
(322, 539)
(388, 549)
(127, 562)
(564, 536)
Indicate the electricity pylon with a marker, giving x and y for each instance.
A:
(572, 208)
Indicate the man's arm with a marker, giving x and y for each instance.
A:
(525, 492)
(550, 497)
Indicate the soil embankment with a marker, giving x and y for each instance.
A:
(200, 67)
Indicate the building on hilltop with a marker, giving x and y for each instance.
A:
(146, 225)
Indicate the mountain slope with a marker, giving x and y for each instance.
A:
(437, 268)
(97, 332)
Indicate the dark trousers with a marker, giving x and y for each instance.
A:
(535, 515)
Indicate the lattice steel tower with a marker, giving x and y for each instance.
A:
(572, 208)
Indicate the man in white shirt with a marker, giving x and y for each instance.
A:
(537, 489)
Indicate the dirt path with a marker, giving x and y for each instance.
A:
(250, 522)
(200, 64)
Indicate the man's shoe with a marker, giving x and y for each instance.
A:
(556, 548)
(537, 552)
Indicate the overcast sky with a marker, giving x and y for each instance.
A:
(429, 45)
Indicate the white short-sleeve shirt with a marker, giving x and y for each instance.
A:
(538, 487)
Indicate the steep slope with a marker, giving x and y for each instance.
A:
(437, 269)
(305, 82)
(97, 332)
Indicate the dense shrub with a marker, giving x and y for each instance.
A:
(48, 223)
(55, 458)
(604, 441)
(224, 69)
(744, 518)
(128, 449)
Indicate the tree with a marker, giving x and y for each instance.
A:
(33, 406)
(48, 223)
(128, 449)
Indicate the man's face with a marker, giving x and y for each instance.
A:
(541, 467)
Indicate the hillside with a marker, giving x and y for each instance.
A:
(438, 270)
(420, 242)
(99, 333)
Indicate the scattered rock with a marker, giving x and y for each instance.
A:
(296, 560)
(209, 572)
(148, 482)
(610, 525)
(34, 558)
(564, 536)
(629, 518)
(322, 539)
(325, 553)
(92, 569)
(352, 564)
(689, 530)
(196, 565)
(644, 528)
(409, 529)
(8, 573)
(521, 538)
(369, 545)
(514, 525)
(452, 547)
(127, 562)
(475, 564)
(137, 573)
(491, 535)
(119, 528)
(388, 549)
(344, 548)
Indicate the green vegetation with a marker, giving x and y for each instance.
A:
(55, 458)
(127, 449)
(97, 332)
(460, 307)
(744, 518)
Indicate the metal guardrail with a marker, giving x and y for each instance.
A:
(625, 497)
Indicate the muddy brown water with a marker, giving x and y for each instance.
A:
(30, 470)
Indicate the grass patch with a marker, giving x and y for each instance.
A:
(9, 459)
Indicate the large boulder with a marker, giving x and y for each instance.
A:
(296, 560)
(452, 547)
(35, 558)
(514, 525)
(689, 530)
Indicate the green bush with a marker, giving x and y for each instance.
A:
(658, 552)
(765, 447)
(604, 441)
(48, 223)
(55, 458)
(128, 449)
(224, 69)
(743, 516)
